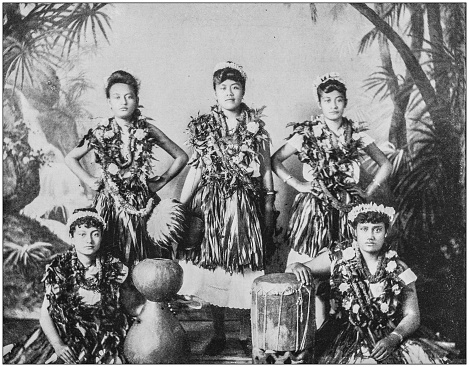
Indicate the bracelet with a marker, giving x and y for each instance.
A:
(401, 338)
(154, 179)
(289, 176)
(376, 183)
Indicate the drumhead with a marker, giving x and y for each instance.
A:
(277, 283)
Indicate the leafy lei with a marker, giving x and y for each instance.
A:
(332, 164)
(231, 160)
(95, 332)
(126, 167)
(369, 302)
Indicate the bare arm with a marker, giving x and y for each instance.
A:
(319, 267)
(72, 160)
(409, 323)
(385, 168)
(180, 159)
(268, 183)
(282, 154)
(62, 350)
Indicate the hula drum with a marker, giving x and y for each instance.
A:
(282, 314)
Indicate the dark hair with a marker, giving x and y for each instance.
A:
(88, 222)
(121, 76)
(228, 73)
(331, 85)
(372, 217)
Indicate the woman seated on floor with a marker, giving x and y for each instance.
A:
(374, 305)
(82, 320)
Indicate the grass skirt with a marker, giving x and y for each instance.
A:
(349, 348)
(126, 235)
(314, 225)
(232, 230)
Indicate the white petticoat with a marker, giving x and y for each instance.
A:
(218, 287)
(296, 257)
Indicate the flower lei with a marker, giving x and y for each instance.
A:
(124, 165)
(368, 301)
(229, 159)
(77, 321)
(332, 163)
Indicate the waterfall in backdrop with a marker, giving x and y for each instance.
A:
(60, 190)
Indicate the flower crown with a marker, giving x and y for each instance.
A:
(231, 65)
(371, 207)
(329, 76)
(84, 214)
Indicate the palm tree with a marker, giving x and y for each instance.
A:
(430, 210)
(397, 87)
(33, 33)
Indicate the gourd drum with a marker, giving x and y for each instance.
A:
(282, 313)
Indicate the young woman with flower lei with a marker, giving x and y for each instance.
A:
(82, 320)
(329, 147)
(373, 297)
(230, 186)
(126, 194)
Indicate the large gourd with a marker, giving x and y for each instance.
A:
(157, 337)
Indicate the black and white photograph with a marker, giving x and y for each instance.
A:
(234, 183)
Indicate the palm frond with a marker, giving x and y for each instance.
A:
(382, 82)
(337, 10)
(314, 12)
(367, 40)
(25, 257)
(76, 21)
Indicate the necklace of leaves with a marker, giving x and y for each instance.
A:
(89, 283)
(334, 143)
(361, 264)
(348, 133)
(126, 156)
(123, 158)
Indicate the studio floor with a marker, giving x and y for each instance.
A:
(196, 323)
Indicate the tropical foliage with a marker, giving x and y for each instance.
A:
(428, 130)
(38, 39)
(26, 258)
(27, 247)
(32, 33)
(428, 194)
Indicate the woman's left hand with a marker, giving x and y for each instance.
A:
(357, 190)
(385, 347)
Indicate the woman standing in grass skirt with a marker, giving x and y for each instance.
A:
(374, 316)
(82, 320)
(230, 186)
(126, 194)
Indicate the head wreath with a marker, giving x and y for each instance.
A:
(231, 65)
(84, 214)
(371, 207)
(324, 78)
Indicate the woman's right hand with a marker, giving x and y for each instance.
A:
(312, 187)
(302, 272)
(65, 353)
